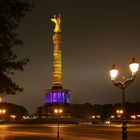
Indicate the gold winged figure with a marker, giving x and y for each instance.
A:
(57, 21)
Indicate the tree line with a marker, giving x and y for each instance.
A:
(105, 111)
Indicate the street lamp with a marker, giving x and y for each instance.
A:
(119, 113)
(134, 66)
(58, 112)
(2, 112)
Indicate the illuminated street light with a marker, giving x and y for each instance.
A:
(134, 66)
(113, 72)
(119, 112)
(2, 111)
(58, 112)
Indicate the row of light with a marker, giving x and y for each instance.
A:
(113, 116)
(132, 116)
(134, 66)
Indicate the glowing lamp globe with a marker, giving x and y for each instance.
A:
(113, 72)
(134, 66)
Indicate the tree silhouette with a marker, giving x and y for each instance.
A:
(11, 13)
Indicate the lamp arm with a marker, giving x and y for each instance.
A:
(117, 84)
(127, 82)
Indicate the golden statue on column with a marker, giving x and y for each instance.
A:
(57, 62)
(57, 95)
(57, 21)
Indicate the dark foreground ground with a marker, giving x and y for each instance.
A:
(67, 132)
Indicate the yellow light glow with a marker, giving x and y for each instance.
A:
(25, 117)
(55, 110)
(98, 116)
(112, 116)
(134, 67)
(13, 116)
(119, 116)
(133, 117)
(113, 74)
(119, 111)
(3, 111)
(60, 110)
(93, 117)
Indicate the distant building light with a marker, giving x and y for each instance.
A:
(13, 116)
(138, 116)
(25, 117)
(133, 116)
(107, 122)
(112, 116)
(119, 116)
(98, 116)
(93, 116)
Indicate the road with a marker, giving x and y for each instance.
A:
(67, 132)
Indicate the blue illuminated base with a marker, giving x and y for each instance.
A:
(57, 96)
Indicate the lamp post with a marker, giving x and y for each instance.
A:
(134, 66)
(2, 112)
(58, 112)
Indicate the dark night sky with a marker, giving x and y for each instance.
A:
(96, 34)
